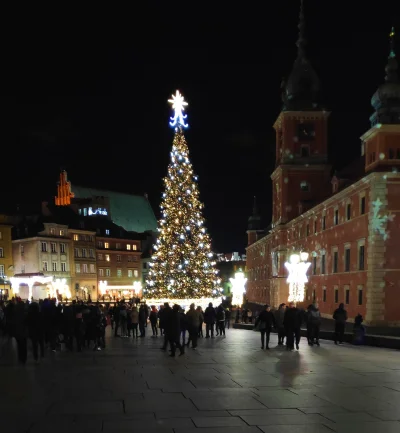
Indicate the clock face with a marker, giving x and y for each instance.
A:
(306, 131)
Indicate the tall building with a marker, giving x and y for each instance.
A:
(346, 222)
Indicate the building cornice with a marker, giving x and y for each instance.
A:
(379, 128)
(306, 115)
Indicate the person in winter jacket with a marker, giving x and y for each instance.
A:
(340, 317)
(209, 318)
(135, 321)
(221, 320)
(173, 330)
(313, 324)
(265, 322)
(36, 330)
(292, 323)
(153, 320)
(193, 323)
(279, 316)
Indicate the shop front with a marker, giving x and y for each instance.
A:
(113, 293)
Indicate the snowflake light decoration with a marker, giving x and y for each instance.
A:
(378, 220)
(178, 105)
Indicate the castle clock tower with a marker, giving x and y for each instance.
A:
(302, 175)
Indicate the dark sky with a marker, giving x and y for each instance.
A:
(88, 90)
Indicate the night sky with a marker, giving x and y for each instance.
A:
(88, 93)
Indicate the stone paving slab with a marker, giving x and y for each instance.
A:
(226, 385)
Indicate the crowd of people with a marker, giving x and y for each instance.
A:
(82, 324)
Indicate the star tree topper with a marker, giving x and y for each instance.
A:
(178, 104)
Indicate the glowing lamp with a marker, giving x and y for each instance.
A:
(297, 278)
(238, 288)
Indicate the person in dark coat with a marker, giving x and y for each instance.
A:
(228, 318)
(153, 320)
(193, 322)
(36, 330)
(292, 323)
(21, 331)
(221, 320)
(313, 324)
(340, 317)
(173, 330)
(164, 319)
(209, 318)
(265, 322)
(279, 317)
(142, 321)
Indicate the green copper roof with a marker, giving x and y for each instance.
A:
(132, 212)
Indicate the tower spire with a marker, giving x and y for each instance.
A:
(391, 67)
(255, 208)
(301, 41)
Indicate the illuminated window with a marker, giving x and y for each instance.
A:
(62, 232)
(101, 272)
(84, 211)
(304, 186)
(119, 272)
(107, 257)
(107, 232)
(135, 273)
(129, 273)
(92, 270)
(76, 237)
(84, 268)
(108, 272)
(106, 245)
(78, 268)
(128, 247)
(134, 247)
(1, 270)
(52, 231)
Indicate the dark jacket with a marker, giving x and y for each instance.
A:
(293, 318)
(313, 316)
(209, 315)
(266, 320)
(340, 314)
(279, 316)
(173, 323)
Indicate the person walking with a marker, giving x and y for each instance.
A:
(227, 318)
(292, 323)
(340, 317)
(193, 323)
(135, 321)
(201, 314)
(209, 318)
(165, 318)
(142, 321)
(265, 322)
(173, 331)
(313, 324)
(280, 314)
(221, 320)
(153, 320)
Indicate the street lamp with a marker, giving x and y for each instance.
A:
(297, 268)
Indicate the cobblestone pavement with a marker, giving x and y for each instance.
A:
(227, 385)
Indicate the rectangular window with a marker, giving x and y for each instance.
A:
(85, 268)
(134, 247)
(347, 295)
(336, 217)
(53, 247)
(1, 252)
(107, 232)
(100, 244)
(44, 247)
(118, 246)
(108, 273)
(129, 273)
(348, 211)
(324, 222)
(135, 258)
(135, 273)
(106, 245)
(129, 258)
(78, 268)
(52, 231)
(360, 295)
(107, 256)
(76, 237)
(128, 247)
(347, 260)
(315, 226)
(92, 270)
(119, 273)
(101, 272)
(324, 294)
(22, 250)
(76, 252)
(361, 257)
(62, 248)
(54, 265)
(314, 268)
(63, 267)
(62, 232)
(84, 252)
(1, 270)
(91, 253)
(362, 206)
(85, 211)
(100, 256)
(323, 264)
(336, 292)
(119, 259)
(45, 266)
(335, 262)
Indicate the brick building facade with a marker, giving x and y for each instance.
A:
(347, 223)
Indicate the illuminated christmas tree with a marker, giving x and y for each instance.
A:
(182, 266)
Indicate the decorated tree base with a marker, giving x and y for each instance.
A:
(184, 303)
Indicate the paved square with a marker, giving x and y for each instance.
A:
(228, 384)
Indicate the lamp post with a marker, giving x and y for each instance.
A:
(297, 268)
